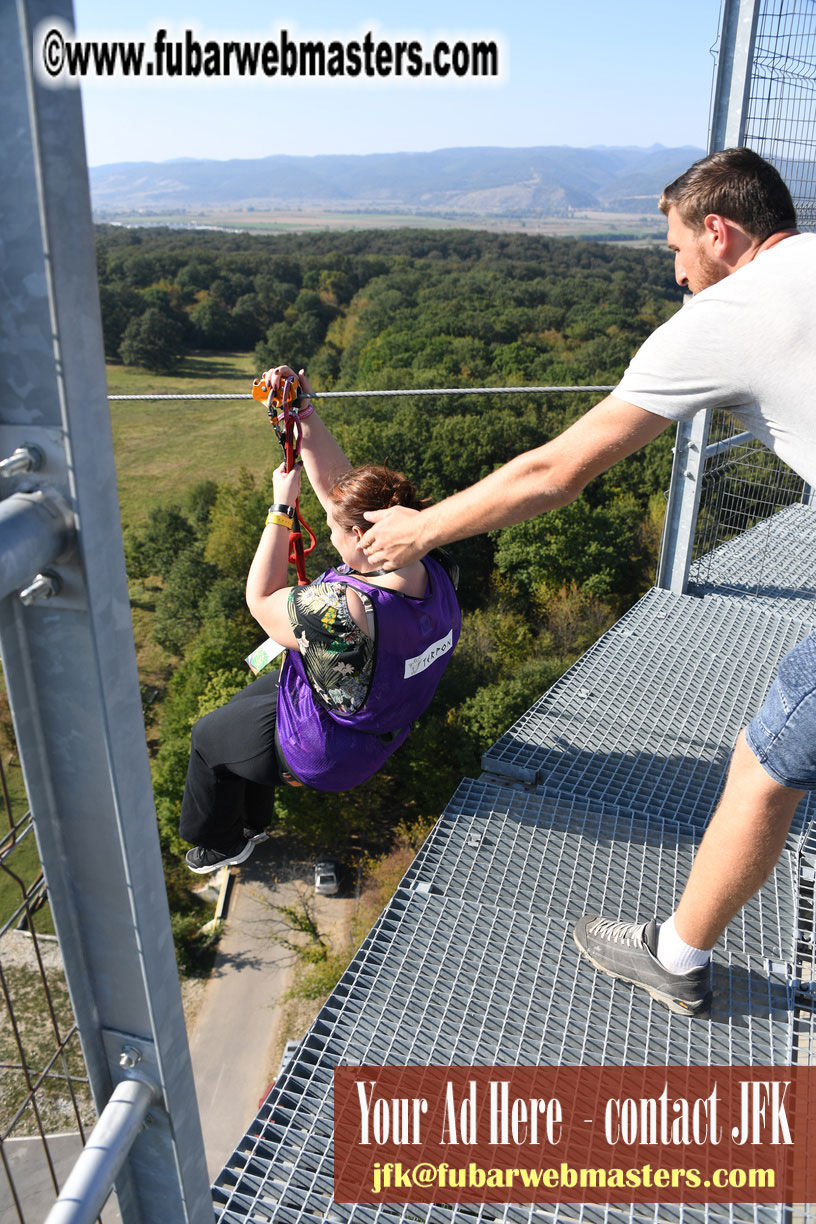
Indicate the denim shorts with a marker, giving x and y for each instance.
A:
(783, 735)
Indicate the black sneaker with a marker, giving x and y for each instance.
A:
(256, 836)
(201, 860)
(628, 951)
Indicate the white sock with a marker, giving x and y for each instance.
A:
(675, 954)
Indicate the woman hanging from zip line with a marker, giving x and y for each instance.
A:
(365, 651)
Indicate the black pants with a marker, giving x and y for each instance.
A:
(233, 769)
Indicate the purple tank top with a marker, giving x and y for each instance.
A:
(414, 641)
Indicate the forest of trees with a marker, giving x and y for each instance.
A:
(382, 310)
(359, 305)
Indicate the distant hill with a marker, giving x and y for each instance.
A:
(494, 182)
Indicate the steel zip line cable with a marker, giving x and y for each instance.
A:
(226, 395)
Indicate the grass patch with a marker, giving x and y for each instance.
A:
(317, 981)
(55, 1105)
(21, 866)
(297, 220)
(163, 448)
(16, 789)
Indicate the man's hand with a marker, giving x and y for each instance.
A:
(395, 539)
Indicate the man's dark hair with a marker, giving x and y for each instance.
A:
(737, 184)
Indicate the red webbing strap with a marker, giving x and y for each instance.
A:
(285, 402)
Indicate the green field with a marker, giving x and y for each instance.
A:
(296, 221)
(21, 865)
(162, 448)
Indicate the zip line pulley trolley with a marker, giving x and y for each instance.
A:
(281, 404)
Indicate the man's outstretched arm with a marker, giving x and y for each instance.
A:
(541, 479)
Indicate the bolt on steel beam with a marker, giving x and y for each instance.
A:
(36, 529)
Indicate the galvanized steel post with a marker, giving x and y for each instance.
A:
(728, 113)
(68, 651)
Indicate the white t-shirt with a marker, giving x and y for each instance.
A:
(747, 344)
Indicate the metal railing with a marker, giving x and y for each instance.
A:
(743, 483)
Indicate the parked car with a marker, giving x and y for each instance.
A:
(289, 1051)
(327, 878)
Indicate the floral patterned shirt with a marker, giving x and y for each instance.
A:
(337, 655)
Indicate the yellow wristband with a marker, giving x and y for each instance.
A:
(278, 520)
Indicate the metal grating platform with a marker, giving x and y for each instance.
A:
(772, 566)
(443, 981)
(561, 1213)
(556, 855)
(613, 774)
(648, 716)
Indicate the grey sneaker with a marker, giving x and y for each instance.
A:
(628, 951)
(256, 836)
(201, 860)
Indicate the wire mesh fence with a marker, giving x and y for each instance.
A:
(743, 484)
(781, 117)
(45, 1100)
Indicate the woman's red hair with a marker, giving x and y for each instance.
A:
(370, 487)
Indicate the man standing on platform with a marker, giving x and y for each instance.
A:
(745, 343)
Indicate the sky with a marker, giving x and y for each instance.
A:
(586, 72)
